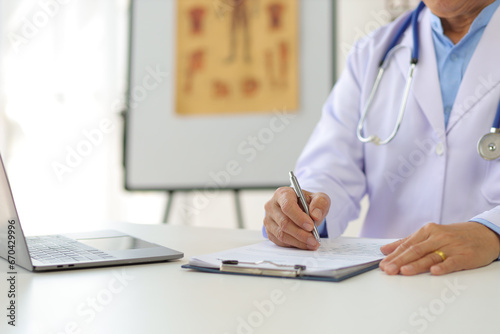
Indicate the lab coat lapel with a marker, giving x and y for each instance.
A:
(480, 77)
(425, 87)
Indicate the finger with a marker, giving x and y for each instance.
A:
(421, 265)
(282, 230)
(391, 247)
(411, 254)
(288, 204)
(447, 266)
(288, 243)
(413, 247)
(289, 234)
(319, 206)
(287, 222)
(396, 248)
(268, 226)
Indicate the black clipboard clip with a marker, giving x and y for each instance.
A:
(281, 270)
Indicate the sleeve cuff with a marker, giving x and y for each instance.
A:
(323, 232)
(489, 225)
(264, 232)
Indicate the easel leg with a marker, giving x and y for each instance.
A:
(239, 212)
(168, 207)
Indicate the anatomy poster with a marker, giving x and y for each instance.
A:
(237, 56)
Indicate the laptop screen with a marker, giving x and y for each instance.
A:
(12, 243)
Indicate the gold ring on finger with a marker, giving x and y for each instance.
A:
(440, 253)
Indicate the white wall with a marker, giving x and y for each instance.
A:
(360, 17)
(355, 20)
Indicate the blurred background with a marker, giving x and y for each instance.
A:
(63, 75)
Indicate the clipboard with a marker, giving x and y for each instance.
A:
(337, 275)
(336, 260)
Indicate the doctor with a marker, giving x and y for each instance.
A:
(428, 185)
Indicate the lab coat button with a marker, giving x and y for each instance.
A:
(439, 149)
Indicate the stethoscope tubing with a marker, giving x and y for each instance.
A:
(496, 122)
(488, 146)
(393, 46)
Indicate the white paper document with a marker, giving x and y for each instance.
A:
(332, 255)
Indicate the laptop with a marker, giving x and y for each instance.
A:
(69, 251)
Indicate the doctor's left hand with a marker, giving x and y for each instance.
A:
(442, 249)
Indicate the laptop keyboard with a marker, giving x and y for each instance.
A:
(60, 249)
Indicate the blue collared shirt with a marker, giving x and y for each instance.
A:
(452, 59)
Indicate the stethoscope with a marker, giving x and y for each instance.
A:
(488, 146)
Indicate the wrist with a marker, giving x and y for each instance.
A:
(493, 237)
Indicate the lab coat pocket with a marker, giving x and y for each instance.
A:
(491, 184)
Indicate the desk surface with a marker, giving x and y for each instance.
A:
(163, 298)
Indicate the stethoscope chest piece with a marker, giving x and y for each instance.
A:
(489, 145)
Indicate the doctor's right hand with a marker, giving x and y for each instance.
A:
(287, 225)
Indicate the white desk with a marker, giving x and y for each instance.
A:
(163, 298)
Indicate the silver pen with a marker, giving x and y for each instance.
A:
(295, 185)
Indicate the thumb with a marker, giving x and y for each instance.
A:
(319, 206)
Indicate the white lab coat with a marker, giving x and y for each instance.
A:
(427, 173)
